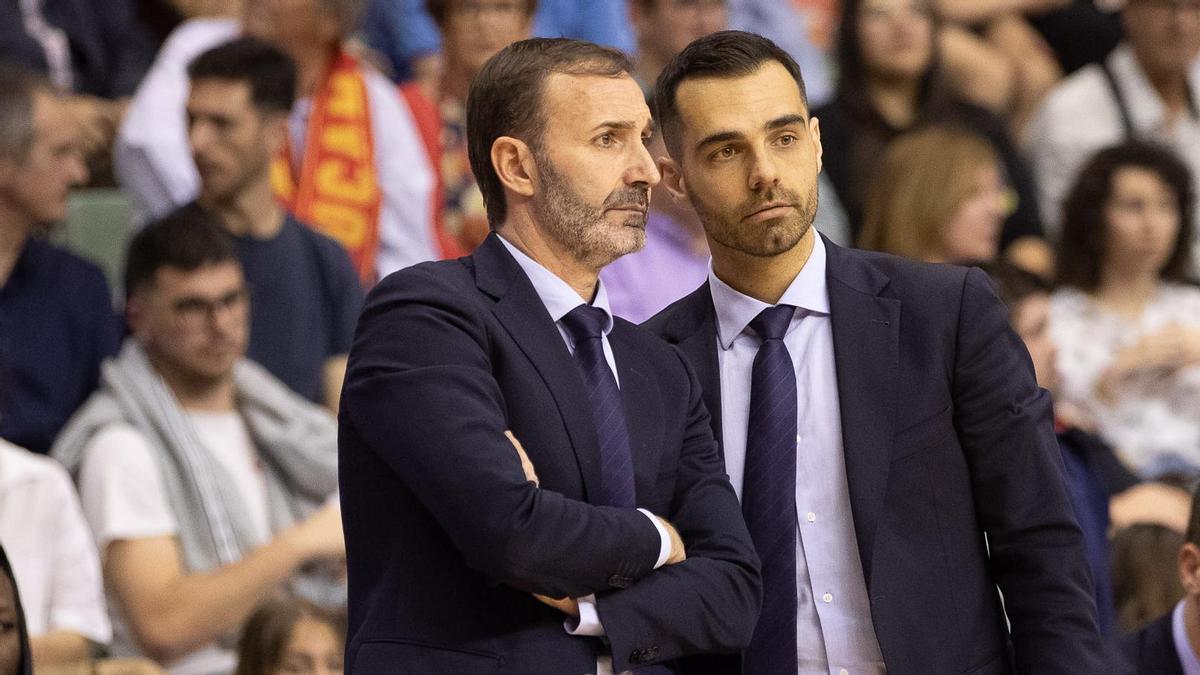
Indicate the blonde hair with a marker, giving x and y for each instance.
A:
(922, 180)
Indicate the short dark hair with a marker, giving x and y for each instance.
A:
(440, 9)
(270, 73)
(727, 53)
(506, 100)
(20, 87)
(1014, 284)
(1085, 228)
(188, 239)
(1193, 527)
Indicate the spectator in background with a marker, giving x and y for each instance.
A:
(381, 210)
(288, 635)
(304, 293)
(1148, 88)
(56, 318)
(471, 33)
(203, 478)
(995, 35)
(938, 196)
(406, 34)
(96, 52)
(664, 27)
(1093, 472)
(15, 655)
(891, 83)
(58, 569)
(1126, 322)
(1081, 33)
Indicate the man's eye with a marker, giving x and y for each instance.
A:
(605, 140)
(724, 153)
(787, 139)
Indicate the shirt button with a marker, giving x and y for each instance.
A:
(811, 517)
(843, 671)
(798, 439)
(828, 598)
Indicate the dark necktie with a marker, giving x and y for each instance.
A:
(769, 493)
(586, 324)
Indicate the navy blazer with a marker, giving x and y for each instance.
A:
(947, 438)
(446, 540)
(1152, 650)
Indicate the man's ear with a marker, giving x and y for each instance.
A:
(673, 181)
(1189, 568)
(135, 315)
(275, 133)
(814, 130)
(513, 162)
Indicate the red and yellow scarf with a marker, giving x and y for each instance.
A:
(338, 192)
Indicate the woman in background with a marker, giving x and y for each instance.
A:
(939, 196)
(1125, 317)
(290, 636)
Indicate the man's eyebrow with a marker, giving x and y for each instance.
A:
(786, 120)
(718, 137)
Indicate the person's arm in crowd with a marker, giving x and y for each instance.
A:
(1168, 350)
(449, 447)
(59, 647)
(172, 613)
(333, 374)
(105, 667)
(1004, 423)
(978, 11)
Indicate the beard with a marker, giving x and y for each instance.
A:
(581, 228)
(763, 239)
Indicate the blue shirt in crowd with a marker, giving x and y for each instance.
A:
(56, 326)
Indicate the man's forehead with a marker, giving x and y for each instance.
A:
(595, 99)
(741, 100)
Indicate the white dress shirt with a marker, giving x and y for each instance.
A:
(834, 632)
(1187, 657)
(154, 164)
(559, 299)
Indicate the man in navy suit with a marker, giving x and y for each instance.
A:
(878, 417)
(613, 540)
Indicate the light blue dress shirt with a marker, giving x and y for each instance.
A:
(834, 632)
(1187, 657)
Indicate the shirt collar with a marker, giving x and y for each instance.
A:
(807, 292)
(1187, 658)
(557, 295)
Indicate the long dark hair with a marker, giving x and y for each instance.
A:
(1085, 228)
(25, 662)
(852, 93)
(266, 633)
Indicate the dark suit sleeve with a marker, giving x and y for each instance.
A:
(421, 395)
(1036, 549)
(710, 602)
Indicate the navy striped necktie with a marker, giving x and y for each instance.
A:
(586, 326)
(769, 493)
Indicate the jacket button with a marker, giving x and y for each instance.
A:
(635, 656)
(618, 581)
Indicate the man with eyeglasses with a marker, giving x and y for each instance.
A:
(1148, 89)
(205, 480)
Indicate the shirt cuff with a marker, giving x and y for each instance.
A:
(664, 547)
(588, 622)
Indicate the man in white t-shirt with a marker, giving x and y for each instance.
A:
(192, 462)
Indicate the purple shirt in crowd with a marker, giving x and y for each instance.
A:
(669, 267)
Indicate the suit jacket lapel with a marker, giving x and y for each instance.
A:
(695, 332)
(866, 338)
(521, 312)
(643, 408)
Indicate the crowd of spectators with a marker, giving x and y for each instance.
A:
(168, 462)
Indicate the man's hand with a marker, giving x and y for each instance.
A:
(321, 535)
(526, 465)
(567, 606)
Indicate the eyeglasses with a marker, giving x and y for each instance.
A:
(194, 311)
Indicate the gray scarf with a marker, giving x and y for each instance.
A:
(295, 439)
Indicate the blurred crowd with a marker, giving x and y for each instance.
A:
(168, 463)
